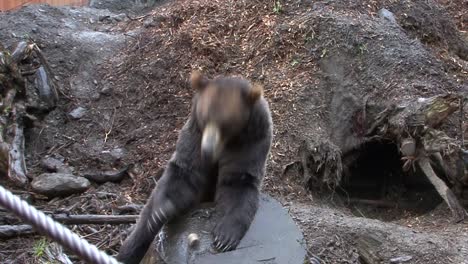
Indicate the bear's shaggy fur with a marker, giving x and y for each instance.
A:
(221, 153)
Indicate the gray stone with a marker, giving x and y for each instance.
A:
(273, 237)
(95, 96)
(106, 90)
(120, 17)
(386, 14)
(59, 184)
(118, 153)
(104, 18)
(27, 197)
(401, 259)
(78, 112)
(55, 165)
(113, 155)
(149, 22)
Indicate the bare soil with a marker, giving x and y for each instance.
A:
(131, 73)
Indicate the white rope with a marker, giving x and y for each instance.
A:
(54, 230)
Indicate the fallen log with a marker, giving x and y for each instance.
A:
(383, 203)
(368, 247)
(17, 161)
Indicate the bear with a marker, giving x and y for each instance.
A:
(220, 155)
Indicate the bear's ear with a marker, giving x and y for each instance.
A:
(255, 93)
(198, 81)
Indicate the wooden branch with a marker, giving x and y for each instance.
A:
(439, 163)
(382, 203)
(368, 247)
(458, 212)
(4, 157)
(9, 231)
(54, 253)
(106, 176)
(17, 169)
(94, 219)
(461, 120)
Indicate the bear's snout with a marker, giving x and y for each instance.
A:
(211, 143)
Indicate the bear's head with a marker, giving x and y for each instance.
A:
(222, 109)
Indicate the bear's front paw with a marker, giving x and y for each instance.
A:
(227, 235)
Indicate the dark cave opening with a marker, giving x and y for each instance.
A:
(375, 180)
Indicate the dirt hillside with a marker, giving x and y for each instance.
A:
(130, 72)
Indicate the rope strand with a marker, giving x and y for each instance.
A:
(54, 230)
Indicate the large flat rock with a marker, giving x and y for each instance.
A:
(273, 238)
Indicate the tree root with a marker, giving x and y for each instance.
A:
(458, 212)
(13, 107)
(321, 163)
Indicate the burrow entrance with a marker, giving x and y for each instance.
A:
(376, 186)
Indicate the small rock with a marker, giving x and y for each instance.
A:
(95, 96)
(113, 155)
(118, 153)
(59, 184)
(129, 209)
(104, 18)
(386, 14)
(314, 260)
(78, 112)
(27, 197)
(106, 90)
(120, 17)
(401, 259)
(149, 22)
(106, 176)
(55, 165)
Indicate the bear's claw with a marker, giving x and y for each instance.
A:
(227, 236)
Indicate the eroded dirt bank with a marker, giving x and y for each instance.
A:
(129, 71)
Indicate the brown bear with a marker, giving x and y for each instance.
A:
(221, 153)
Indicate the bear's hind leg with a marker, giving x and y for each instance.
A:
(237, 201)
(176, 191)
